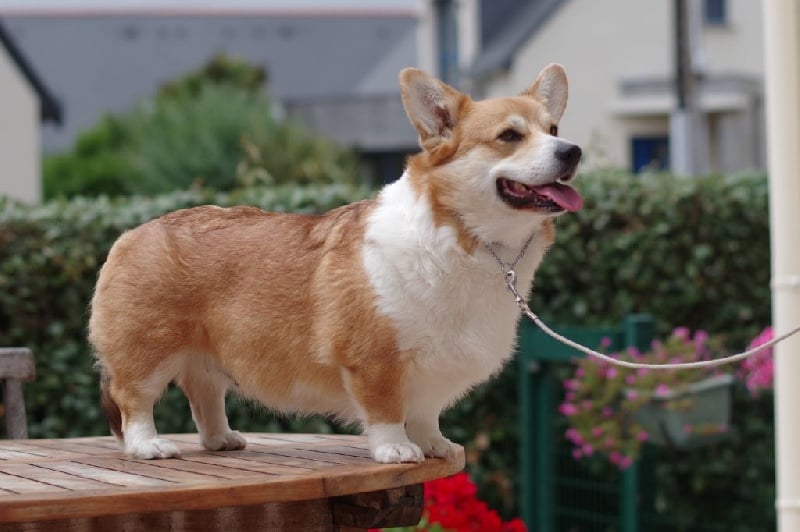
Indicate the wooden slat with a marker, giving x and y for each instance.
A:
(57, 479)
(87, 478)
(109, 476)
(25, 484)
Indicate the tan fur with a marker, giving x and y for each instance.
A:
(275, 289)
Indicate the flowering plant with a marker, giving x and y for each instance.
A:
(451, 504)
(600, 399)
(757, 371)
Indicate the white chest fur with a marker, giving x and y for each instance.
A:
(451, 309)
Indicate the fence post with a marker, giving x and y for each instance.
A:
(638, 331)
(537, 392)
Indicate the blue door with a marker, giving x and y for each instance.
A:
(650, 153)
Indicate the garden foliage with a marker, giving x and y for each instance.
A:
(215, 127)
(691, 252)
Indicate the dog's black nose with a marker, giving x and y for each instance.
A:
(569, 154)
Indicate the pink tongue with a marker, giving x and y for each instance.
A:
(564, 195)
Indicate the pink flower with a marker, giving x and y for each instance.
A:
(605, 342)
(611, 372)
(587, 404)
(662, 389)
(597, 432)
(700, 339)
(587, 449)
(607, 411)
(642, 436)
(577, 454)
(758, 370)
(610, 443)
(681, 333)
(580, 373)
(569, 396)
(625, 462)
(630, 380)
(567, 409)
(615, 457)
(574, 436)
(631, 394)
(570, 384)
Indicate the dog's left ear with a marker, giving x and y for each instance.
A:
(431, 105)
(550, 88)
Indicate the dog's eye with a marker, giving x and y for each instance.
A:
(554, 130)
(510, 135)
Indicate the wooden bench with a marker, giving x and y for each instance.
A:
(16, 366)
(294, 482)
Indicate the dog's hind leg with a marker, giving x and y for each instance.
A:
(135, 399)
(205, 386)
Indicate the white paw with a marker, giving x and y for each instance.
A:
(436, 446)
(227, 441)
(395, 453)
(153, 448)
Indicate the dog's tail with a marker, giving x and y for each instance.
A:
(113, 414)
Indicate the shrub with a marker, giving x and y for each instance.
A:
(96, 166)
(215, 127)
(219, 70)
(691, 252)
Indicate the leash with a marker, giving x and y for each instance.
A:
(510, 276)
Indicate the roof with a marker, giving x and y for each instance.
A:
(106, 63)
(50, 107)
(499, 52)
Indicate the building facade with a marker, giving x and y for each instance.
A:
(24, 102)
(620, 56)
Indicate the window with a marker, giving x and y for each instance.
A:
(447, 33)
(715, 12)
(650, 153)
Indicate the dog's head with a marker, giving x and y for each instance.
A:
(498, 166)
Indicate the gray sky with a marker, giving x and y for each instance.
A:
(33, 6)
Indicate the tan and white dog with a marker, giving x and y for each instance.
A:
(382, 312)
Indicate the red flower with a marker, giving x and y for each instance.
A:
(452, 504)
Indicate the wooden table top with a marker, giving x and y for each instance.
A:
(90, 477)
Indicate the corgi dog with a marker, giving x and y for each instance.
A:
(382, 312)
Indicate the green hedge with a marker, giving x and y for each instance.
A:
(692, 252)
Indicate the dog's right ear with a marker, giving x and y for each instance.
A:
(431, 105)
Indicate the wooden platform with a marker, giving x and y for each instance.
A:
(280, 482)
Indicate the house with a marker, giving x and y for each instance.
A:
(335, 70)
(25, 101)
(620, 57)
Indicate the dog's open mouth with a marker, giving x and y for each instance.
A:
(552, 197)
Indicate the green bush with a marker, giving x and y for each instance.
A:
(215, 127)
(96, 166)
(219, 70)
(692, 252)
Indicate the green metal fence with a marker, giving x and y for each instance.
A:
(557, 494)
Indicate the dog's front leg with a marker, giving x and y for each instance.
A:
(422, 422)
(381, 394)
